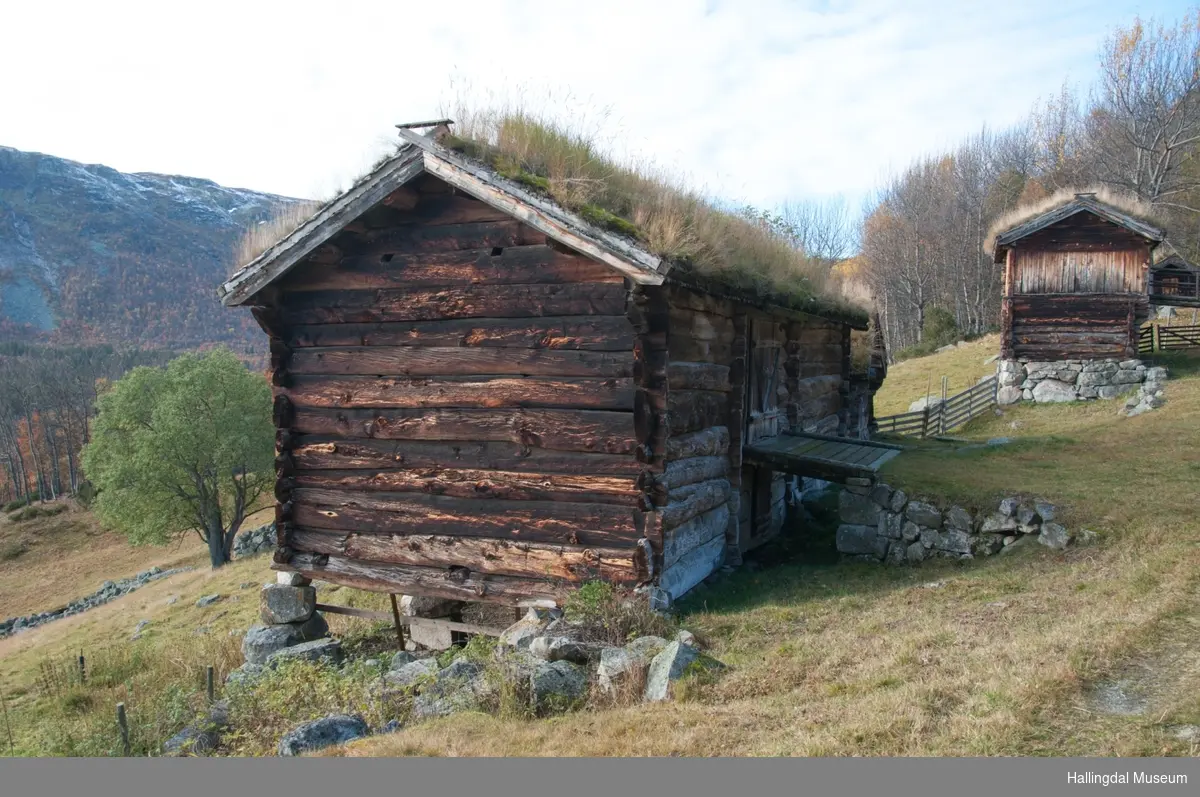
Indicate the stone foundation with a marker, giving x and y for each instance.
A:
(1075, 380)
(880, 524)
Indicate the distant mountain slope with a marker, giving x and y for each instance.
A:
(91, 254)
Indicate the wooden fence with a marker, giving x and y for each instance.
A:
(1157, 337)
(951, 412)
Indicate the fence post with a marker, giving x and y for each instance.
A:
(82, 669)
(1155, 340)
(209, 687)
(123, 726)
(942, 414)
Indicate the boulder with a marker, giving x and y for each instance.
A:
(208, 600)
(915, 553)
(1156, 374)
(1009, 506)
(328, 650)
(244, 675)
(1046, 511)
(413, 674)
(322, 733)
(289, 579)
(899, 499)
(400, 659)
(929, 537)
(881, 494)
(558, 685)
(1008, 395)
(998, 522)
(285, 604)
(561, 648)
(1027, 519)
(954, 540)
(986, 544)
(202, 736)
(1110, 391)
(666, 668)
(958, 518)
(857, 510)
(910, 531)
(458, 687)
(618, 665)
(686, 637)
(925, 401)
(423, 606)
(863, 540)
(1052, 391)
(263, 640)
(1093, 379)
(523, 631)
(1054, 535)
(895, 553)
(1126, 377)
(923, 514)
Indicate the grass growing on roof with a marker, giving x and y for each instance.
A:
(746, 249)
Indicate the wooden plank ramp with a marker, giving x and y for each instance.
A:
(821, 456)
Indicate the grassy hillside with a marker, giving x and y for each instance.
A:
(909, 380)
(1090, 651)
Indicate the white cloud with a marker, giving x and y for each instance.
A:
(760, 100)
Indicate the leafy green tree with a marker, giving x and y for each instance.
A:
(185, 448)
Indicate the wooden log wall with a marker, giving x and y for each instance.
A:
(699, 514)
(455, 403)
(1076, 327)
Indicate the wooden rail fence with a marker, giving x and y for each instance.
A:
(951, 412)
(1157, 337)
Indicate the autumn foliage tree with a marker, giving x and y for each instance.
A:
(183, 449)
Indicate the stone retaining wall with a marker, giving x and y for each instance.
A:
(880, 524)
(1075, 380)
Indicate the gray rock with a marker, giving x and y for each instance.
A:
(565, 649)
(1052, 391)
(1009, 506)
(1156, 374)
(289, 579)
(860, 540)
(960, 519)
(895, 552)
(400, 659)
(458, 687)
(954, 540)
(171, 601)
(329, 650)
(915, 553)
(923, 402)
(1088, 392)
(617, 665)
(1126, 377)
(1027, 395)
(208, 600)
(1093, 378)
(201, 737)
(910, 531)
(1109, 391)
(890, 525)
(923, 514)
(986, 544)
(284, 604)
(523, 631)
(322, 733)
(991, 359)
(666, 668)
(1010, 394)
(881, 494)
(1054, 535)
(857, 510)
(413, 674)
(460, 670)
(899, 499)
(263, 640)
(245, 675)
(997, 522)
(423, 606)
(929, 537)
(558, 685)
(686, 637)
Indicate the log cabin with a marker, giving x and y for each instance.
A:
(483, 396)
(1075, 282)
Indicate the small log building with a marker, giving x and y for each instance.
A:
(1075, 283)
(482, 396)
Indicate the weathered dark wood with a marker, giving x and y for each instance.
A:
(563, 430)
(689, 501)
(682, 472)
(474, 483)
(592, 333)
(336, 453)
(416, 513)
(459, 361)
(698, 376)
(479, 555)
(511, 266)
(409, 580)
(710, 442)
(473, 301)
(467, 392)
(692, 410)
(405, 239)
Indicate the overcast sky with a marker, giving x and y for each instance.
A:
(754, 100)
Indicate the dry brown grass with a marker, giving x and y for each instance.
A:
(261, 236)
(1124, 202)
(639, 199)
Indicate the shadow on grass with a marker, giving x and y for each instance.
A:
(1179, 363)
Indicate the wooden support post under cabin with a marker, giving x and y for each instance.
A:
(396, 620)
(123, 727)
(1006, 320)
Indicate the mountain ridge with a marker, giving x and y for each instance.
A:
(91, 254)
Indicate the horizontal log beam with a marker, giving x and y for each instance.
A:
(425, 581)
(415, 513)
(494, 557)
(562, 430)
(693, 410)
(410, 622)
(713, 441)
(474, 301)
(458, 361)
(405, 239)
(462, 392)
(332, 453)
(591, 333)
(474, 483)
(682, 472)
(697, 376)
(691, 500)
(514, 265)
